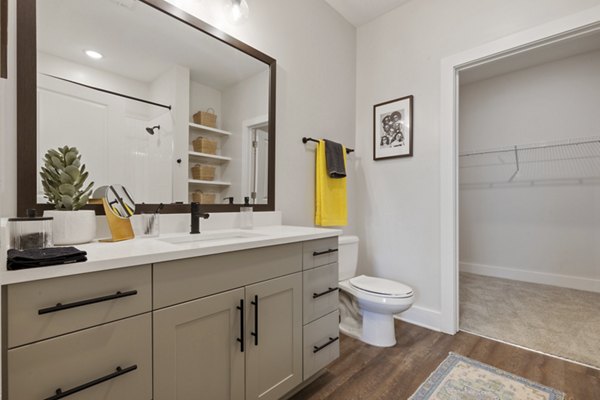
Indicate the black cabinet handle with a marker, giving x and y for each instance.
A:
(60, 307)
(242, 329)
(255, 333)
(320, 253)
(118, 372)
(331, 340)
(329, 290)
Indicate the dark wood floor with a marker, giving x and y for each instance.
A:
(366, 372)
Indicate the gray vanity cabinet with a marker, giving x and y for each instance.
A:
(244, 325)
(196, 352)
(202, 347)
(274, 356)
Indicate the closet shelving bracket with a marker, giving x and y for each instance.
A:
(583, 151)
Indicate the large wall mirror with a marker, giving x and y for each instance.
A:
(135, 86)
(3, 38)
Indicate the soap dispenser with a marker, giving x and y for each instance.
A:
(246, 217)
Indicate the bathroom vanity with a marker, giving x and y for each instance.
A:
(226, 315)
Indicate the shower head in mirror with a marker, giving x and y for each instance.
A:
(153, 129)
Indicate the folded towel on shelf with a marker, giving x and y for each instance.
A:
(33, 258)
(330, 194)
(335, 155)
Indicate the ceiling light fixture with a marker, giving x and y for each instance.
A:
(93, 54)
(237, 10)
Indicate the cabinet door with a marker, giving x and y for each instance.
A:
(196, 351)
(274, 356)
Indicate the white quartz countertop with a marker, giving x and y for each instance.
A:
(140, 251)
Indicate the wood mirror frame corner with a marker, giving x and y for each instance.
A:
(27, 173)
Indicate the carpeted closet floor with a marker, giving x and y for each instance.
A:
(554, 320)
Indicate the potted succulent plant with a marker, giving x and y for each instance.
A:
(63, 179)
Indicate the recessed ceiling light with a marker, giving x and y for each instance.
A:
(93, 54)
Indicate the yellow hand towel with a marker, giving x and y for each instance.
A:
(330, 194)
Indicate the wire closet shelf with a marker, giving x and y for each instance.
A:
(574, 160)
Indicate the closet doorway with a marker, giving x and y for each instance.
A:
(529, 199)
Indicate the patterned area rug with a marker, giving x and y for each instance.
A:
(460, 378)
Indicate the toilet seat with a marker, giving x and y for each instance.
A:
(381, 287)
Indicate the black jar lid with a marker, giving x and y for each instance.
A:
(31, 216)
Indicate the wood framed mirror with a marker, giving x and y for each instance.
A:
(3, 38)
(132, 111)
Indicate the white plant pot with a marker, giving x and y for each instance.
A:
(72, 227)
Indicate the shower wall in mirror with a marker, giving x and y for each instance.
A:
(122, 81)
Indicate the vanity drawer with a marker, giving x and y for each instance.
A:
(183, 280)
(86, 300)
(320, 292)
(321, 343)
(319, 252)
(71, 361)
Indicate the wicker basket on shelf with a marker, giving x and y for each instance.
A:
(204, 145)
(204, 198)
(203, 172)
(206, 118)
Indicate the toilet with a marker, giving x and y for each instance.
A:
(368, 304)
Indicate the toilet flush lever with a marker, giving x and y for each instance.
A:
(329, 290)
(320, 253)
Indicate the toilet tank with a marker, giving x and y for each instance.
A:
(348, 256)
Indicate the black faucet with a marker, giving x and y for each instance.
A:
(196, 214)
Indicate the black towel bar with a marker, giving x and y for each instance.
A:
(308, 139)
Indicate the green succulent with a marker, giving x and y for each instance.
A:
(63, 176)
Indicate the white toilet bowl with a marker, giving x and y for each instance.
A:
(368, 304)
(376, 309)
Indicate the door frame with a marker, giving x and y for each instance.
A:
(247, 126)
(569, 27)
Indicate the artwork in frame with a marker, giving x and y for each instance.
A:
(393, 128)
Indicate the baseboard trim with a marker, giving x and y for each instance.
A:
(422, 316)
(567, 281)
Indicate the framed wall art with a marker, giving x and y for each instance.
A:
(393, 128)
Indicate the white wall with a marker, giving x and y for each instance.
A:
(173, 87)
(315, 52)
(244, 101)
(399, 54)
(202, 98)
(553, 227)
(53, 65)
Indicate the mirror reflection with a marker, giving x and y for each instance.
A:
(118, 200)
(153, 104)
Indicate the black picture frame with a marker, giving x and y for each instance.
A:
(393, 128)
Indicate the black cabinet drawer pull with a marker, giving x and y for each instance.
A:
(60, 307)
(242, 329)
(320, 253)
(329, 290)
(118, 372)
(255, 333)
(331, 340)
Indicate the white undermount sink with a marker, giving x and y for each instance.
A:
(211, 236)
